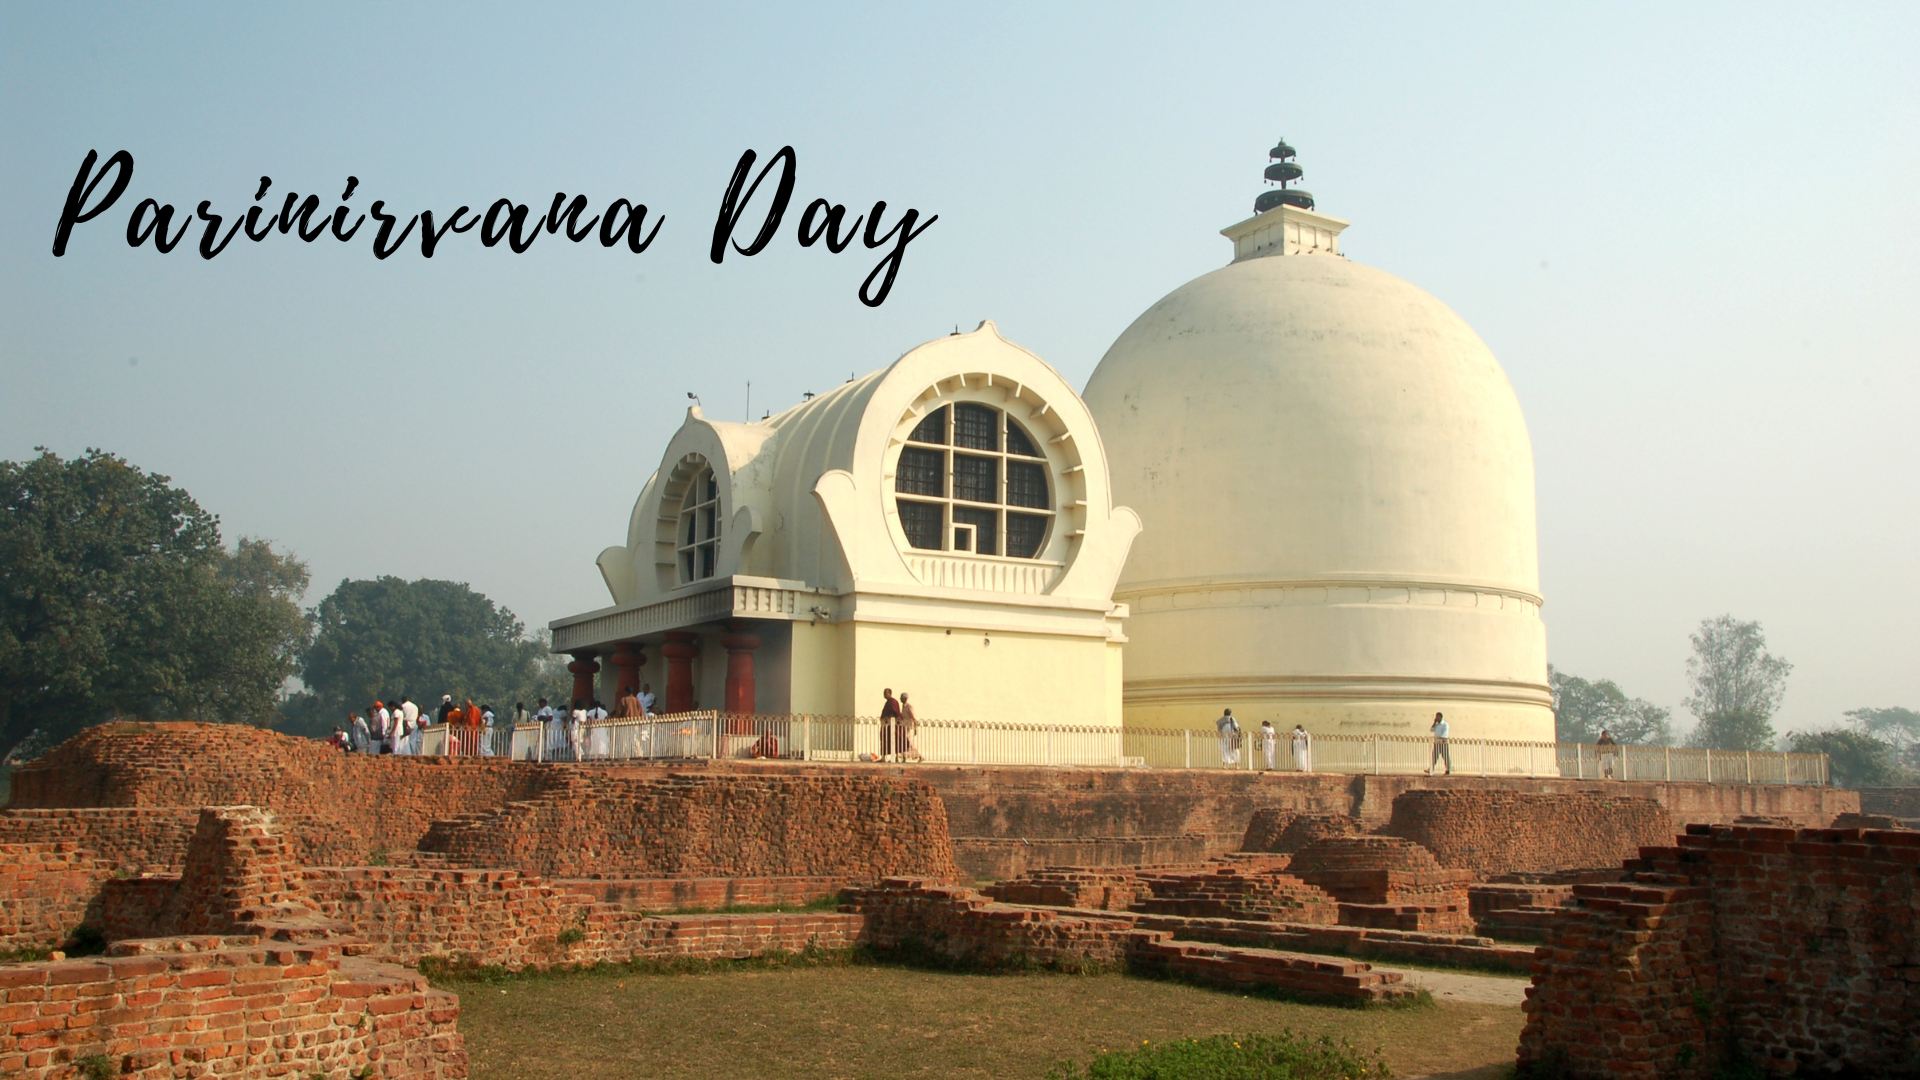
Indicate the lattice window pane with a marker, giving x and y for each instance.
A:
(1018, 443)
(976, 479)
(1026, 484)
(976, 427)
(986, 527)
(922, 523)
(1025, 532)
(932, 428)
(921, 472)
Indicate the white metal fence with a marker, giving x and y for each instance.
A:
(848, 738)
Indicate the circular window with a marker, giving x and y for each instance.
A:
(972, 479)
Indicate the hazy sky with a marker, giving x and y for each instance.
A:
(1689, 232)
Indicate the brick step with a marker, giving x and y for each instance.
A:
(1314, 976)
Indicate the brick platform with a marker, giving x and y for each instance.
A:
(1795, 950)
(181, 1007)
(1387, 882)
(1501, 832)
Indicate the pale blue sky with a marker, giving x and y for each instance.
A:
(1691, 233)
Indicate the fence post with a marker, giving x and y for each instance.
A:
(1749, 766)
(806, 736)
(1049, 731)
(1666, 753)
(1186, 742)
(716, 736)
(973, 742)
(1373, 755)
(1533, 768)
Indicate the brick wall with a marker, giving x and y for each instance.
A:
(852, 826)
(45, 891)
(1795, 951)
(1502, 832)
(1900, 802)
(1277, 829)
(176, 1008)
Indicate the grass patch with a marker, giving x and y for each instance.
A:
(1283, 1056)
(841, 1014)
(26, 954)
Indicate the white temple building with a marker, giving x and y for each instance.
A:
(1328, 471)
(1336, 485)
(943, 526)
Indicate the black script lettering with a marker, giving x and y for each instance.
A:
(122, 165)
(572, 217)
(733, 204)
(829, 226)
(492, 231)
(157, 228)
(430, 237)
(380, 247)
(891, 264)
(253, 213)
(636, 218)
(207, 248)
(340, 215)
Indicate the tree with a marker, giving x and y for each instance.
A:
(1899, 728)
(1582, 710)
(1855, 760)
(1736, 684)
(377, 640)
(117, 597)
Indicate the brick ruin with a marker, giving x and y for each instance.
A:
(235, 846)
(1792, 951)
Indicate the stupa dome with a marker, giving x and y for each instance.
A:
(1336, 488)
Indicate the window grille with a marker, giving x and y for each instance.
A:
(699, 527)
(942, 483)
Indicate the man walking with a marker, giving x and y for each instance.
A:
(889, 719)
(1609, 751)
(1229, 729)
(1441, 752)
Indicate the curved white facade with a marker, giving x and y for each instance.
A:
(1336, 488)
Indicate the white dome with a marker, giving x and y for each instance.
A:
(1336, 488)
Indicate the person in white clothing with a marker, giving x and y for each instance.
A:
(1441, 752)
(1302, 749)
(1229, 729)
(1268, 739)
(646, 698)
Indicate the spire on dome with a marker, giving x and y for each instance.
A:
(1284, 221)
(1283, 170)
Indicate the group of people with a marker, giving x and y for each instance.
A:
(400, 728)
(1302, 744)
(898, 726)
(1268, 740)
(564, 731)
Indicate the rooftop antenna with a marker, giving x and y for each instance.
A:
(1282, 170)
(695, 398)
(808, 396)
(746, 416)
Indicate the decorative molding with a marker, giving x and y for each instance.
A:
(1311, 593)
(984, 574)
(1250, 688)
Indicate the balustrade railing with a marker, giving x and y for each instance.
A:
(706, 735)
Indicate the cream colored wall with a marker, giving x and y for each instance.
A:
(821, 683)
(1033, 678)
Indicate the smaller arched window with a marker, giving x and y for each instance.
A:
(971, 479)
(697, 533)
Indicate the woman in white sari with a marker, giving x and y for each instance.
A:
(1302, 749)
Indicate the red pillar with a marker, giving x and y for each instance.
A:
(584, 669)
(680, 649)
(627, 660)
(740, 687)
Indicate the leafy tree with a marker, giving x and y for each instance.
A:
(117, 596)
(1736, 684)
(1856, 760)
(1899, 728)
(1582, 710)
(376, 640)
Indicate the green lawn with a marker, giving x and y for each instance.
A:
(891, 1023)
